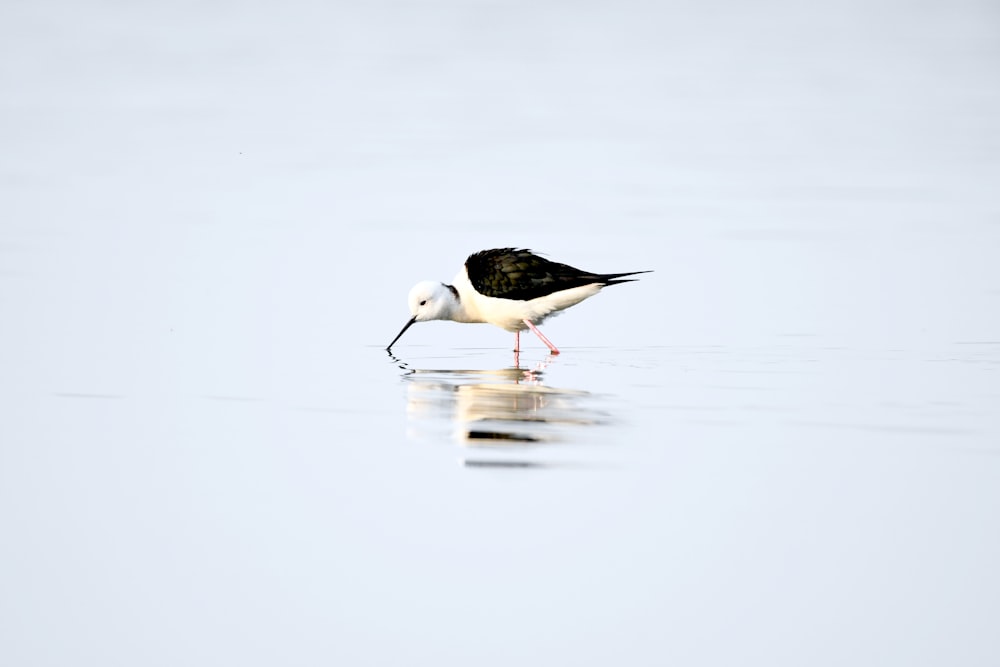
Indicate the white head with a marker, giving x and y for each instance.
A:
(429, 300)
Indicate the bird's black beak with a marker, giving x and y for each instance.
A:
(405, 327)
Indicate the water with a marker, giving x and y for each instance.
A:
(778, 448)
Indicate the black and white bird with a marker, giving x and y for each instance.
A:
(511, 288)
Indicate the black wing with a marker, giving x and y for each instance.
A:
(510, 273)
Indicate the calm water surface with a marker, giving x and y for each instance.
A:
(782, 447)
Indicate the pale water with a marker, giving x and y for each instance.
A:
(782, 447)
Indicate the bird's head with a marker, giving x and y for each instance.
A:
(428, 300)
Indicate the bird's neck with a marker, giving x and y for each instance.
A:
(464, 305)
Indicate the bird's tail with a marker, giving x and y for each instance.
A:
(619, 278)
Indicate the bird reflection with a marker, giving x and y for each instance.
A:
(506, 408)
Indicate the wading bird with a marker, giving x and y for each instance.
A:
(513, 289)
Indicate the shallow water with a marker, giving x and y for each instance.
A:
(780, 447)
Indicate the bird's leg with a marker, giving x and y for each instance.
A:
(544, 339)
(517, 341)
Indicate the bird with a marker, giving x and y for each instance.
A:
(512, 288)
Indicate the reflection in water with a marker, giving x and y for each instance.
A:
(503, 408)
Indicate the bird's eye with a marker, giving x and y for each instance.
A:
(424, 302)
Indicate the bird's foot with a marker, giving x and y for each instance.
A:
(545, 340)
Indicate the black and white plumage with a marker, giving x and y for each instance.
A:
(511, 288)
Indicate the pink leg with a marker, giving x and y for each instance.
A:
(544, 339)
(517, 341)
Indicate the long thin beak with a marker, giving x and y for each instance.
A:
(407, 326)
